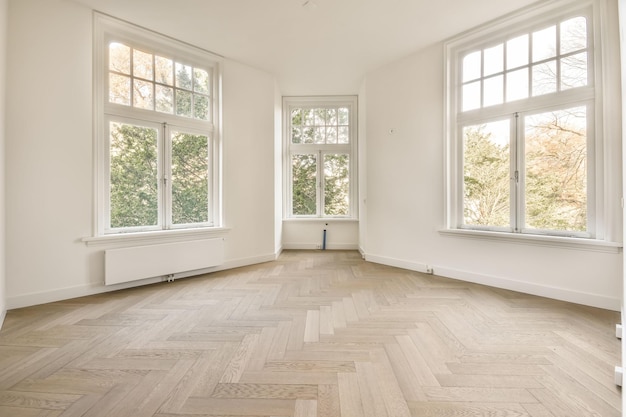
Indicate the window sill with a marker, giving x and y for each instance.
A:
(161, 236)
(537, 240)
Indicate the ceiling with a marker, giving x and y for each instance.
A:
(314, 47)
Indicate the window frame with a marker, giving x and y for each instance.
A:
(290, 149)
(108, 29)
(526, 21)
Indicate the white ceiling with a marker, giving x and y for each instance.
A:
(324, 49)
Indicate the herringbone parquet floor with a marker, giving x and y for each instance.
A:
(316, 333)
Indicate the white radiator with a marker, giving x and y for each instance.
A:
(140, 262)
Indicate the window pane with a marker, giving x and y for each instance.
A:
(201, 107)
(471, 96)
(296, 117)
(164, 99)
(143, 96)
(544, 78)
(331, 135)
(308, 116)
(343, 135)
(164, 69)
(486, 173)
(517, 85)
(200, 81)
(331, 117)
(190, 178)
(320, 117)
(183, 76)
(133, 177)
(308, 134)
(573, 35)
(494, 60)
(296, 135)
(556, 170)
(142, 65)
(517, 52)
(494, 90)
(544, 44)
(119, 89)
(336, 185)
(472, 66)
(304, 184)
(320, 134)
(574, 71)
(119, 58)
(183, 103)
(343, 116)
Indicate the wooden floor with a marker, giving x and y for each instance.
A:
(315, 333)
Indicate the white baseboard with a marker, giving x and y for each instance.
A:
(315, 246)
(562, 294)
(31, 299)
(3, 315)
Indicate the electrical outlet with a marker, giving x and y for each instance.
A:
(318, 246)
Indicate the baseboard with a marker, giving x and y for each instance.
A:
(3, 315)
(31, 299)
(315, 246)
(562, 294)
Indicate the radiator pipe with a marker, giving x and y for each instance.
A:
(324, 241)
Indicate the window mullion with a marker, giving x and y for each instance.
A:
(320, 184)
(517, 194)
(165, 175)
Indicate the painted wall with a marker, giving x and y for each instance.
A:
(3, 49)
(405, 198)
(309, 234)
(49, 148)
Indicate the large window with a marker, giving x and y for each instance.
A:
(522, 133)
(157, 127)
(320, 166)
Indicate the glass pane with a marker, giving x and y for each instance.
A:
(494, 90)
(308, 116)
(486, 173)
(143, 97)
(556, 170)
(164, 69)
(308, 134)
(494, 60)
(544, 44)
(343, 134)
(183, 76)
(119, 58)
(320, 134)
(133, 178)
(183, 103)
(320, 117)
(331, 135)
(343, 116)
(190, 178)
(296, 135)
(472, 66)
(142, 65)
(544, 78)
(200, 81)
(336, 185)
(573, 35)
(517, 85)
(304, 183)
(574, 71)
(296, 117)
(331, 117)
(471, 96)
(164, 99)
(517, 52)
(119, 89)
(201, 108)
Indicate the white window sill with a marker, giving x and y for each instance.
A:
(537, 240)
(161, 236)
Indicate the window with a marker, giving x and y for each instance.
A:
(320, 166)
(157, 132)
(522, 136)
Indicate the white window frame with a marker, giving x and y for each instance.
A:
(529, 19)
(320, 150)
(108, 29)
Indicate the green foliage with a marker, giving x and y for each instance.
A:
(304, 178)
(190, 190)
(486, 179)
(336, 185)
(134, 180)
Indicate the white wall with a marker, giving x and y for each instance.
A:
(3, 48)
(309, 234)
(405, 197)
(49, 145)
